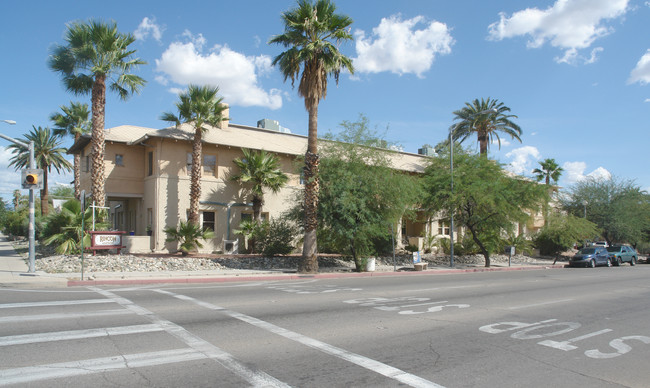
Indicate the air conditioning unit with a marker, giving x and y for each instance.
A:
(230, 247)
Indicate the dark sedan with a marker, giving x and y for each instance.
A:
(591, 257)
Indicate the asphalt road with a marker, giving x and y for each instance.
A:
(542, 328)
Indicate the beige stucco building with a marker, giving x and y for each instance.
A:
(148, 183)
(148, 179)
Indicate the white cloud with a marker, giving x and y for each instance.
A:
(647, 100)
(234, 73)
(570, 25)
(574, 172)
(523, 160)
(504, 142)
(149, 27)
(641, 73)
(397, 46)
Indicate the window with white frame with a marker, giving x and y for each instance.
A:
(443, 228)
(208, 220)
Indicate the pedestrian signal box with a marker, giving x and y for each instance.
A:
(32, 179)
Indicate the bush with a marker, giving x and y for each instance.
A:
(275, 237)
(16, 223)
(188, 235)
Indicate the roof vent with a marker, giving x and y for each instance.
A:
(272, 125)
(427, 150)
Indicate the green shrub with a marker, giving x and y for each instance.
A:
(188, 235)
(275, 237)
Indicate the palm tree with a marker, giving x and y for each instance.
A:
(201, 108)
(550, 170)
(73, 122)
(486, 118)
(48, 153)
(261, 169)
(96, 53)
(312, 32)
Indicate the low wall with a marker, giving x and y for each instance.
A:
(137, 244)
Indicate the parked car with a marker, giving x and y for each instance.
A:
(600, 244)
(590, 257)
(620, 254)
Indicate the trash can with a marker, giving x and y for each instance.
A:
(370, 264)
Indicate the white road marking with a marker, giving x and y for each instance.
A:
(370, 364)
(77, 334)
(41, 317)
(565, 345)
(54, 303)
(540, 304)
(253, 377)
(97, 365)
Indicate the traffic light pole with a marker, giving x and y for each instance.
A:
(30, 231)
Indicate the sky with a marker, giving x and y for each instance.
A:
(576, 73)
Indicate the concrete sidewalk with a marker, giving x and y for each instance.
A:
(14, 273)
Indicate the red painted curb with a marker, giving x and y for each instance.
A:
(234, 278)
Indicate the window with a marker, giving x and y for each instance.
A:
(87, 163)
(188, 163)
(150, 163)
(208, 220)
(249, 216)
(209, 164)
(119, 160)
(443, 228)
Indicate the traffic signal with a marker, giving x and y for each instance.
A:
(32, 179)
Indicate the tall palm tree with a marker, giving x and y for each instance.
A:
(48, 153)
(550, 171)
(95, 54)
(201, 108)
(73, 122)
(262, 170)
(486, 118)
(312, 33)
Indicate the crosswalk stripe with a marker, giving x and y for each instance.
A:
(77, 334)
(41, 317)
(254, 377)
(97, 365)
(54, 303)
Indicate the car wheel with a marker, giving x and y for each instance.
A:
(633, 261)
(592, 263)
(619, 262)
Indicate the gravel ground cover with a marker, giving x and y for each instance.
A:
(48, 261)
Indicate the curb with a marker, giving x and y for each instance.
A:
(251, 278)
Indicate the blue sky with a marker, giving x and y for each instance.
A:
(575, 72)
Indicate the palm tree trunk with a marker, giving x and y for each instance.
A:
(77, 171)
(97, 140)
(195, 178)
(44, 195)
(483, 143)
(257, 209)
(309, 263)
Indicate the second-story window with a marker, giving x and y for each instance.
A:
(209, 164)
(119, 160)
(150, 163)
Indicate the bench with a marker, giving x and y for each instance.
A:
(420, 266)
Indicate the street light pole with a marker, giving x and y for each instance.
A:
(30, 230)
(451, 168)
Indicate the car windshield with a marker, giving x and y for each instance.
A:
(614, 249)
(588, 251)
